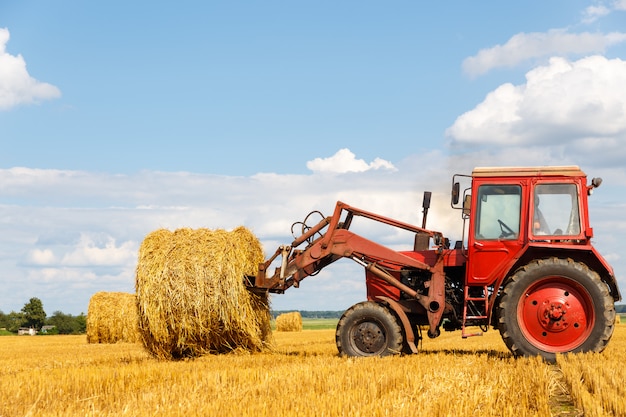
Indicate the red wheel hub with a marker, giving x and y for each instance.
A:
(556, 314)
(553, 315)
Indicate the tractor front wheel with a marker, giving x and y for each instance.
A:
(368, 329)
(555, 306)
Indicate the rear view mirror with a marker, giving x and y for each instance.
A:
(456, 191)
(426, 201)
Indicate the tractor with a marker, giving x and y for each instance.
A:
(525, 265)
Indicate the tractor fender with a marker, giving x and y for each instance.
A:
(397, 308)
(587, 255)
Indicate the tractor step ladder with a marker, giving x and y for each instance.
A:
(479, 307)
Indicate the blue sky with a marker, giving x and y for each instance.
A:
(119, 118)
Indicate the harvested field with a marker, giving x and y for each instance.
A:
(304, 377)
(190, 293)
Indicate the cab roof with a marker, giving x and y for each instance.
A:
(548, 171)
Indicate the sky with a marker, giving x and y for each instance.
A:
(120, 118)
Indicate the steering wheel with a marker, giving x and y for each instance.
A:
(505, 230)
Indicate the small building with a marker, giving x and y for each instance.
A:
(47, 328)
(23, 331)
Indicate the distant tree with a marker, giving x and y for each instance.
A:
(330, 314)
(81, 323)
(64, 323)
(67, 324)
(34, 314)
(14, 321)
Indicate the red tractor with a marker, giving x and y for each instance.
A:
(525, 266)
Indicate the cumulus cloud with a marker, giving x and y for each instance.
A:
(345, 161)
(88, 252)
(578, 108)
(17, 87)
(524, 47)
(596, 11)
(41, 257)
(593, 13)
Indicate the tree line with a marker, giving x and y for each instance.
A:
(32, 315)
(310, 314)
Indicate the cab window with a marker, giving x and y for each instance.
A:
(556, 210)
(498, 212)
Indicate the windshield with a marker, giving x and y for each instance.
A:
(556, 210)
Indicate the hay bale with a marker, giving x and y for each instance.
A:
(289, 322)
(112, 318)
(190, 294)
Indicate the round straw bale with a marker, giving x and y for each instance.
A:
(112, 318)
(191, 298)
(289, 322)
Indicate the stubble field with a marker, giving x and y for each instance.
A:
(304, 376)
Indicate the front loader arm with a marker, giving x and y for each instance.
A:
(335, 241)
(331, 240)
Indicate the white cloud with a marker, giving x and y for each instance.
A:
(88, 252)
(41, 257)
(345, 161)
(593, 13)
(16, 85)
(576, 108)
(67, 289)
(524, 47)
(18, 177)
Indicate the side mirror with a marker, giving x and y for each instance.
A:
(595, 183)
(426, 201)
(456, 191)
(426, 206)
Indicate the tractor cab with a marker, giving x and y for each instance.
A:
(516, 213)
(529, 253)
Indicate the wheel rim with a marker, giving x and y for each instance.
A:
(556, 314)
(368, 337)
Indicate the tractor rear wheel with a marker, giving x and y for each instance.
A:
(555, 306)
(368, 329)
